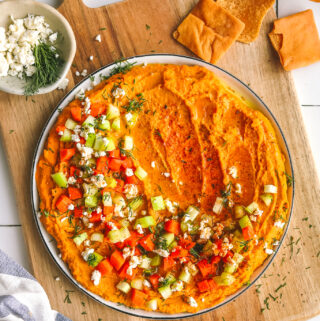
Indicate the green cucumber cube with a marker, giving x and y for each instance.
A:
(224, 279)
(145, 222)
(90, 140)
(104, 125)
(94, 259)
(168, 237)
(106, 199)
(252, 207)
(110, 146)
(89, 122)
(70, 124)
(128, 143)
(165, 291)
(80, 238)
(112, 112)
(136, 203)
(158, 203)
(245, 221)
(141, 173)
(123, 287)
(60, 179)
(91, 201)
(267, 199)
(66, 137)
(116, 124)
(156, 260)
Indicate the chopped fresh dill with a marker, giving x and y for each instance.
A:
(121, 66)
(290, 179)
(67, 298)
(135, 104)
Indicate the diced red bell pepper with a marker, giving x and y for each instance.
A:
(66, 154)
(218, 243)
(104, 267)
(74, 171)
(102, 164)
(127, 162)
(138, 298)
(132, 180)
(133, 240)
(225, 258)
(123, 273)
(205, 267)
(206, 285)
(248, 233)
(172, 226)
(114, 153)
(95, 217)
(117, 260)
(76, 113)
(119, 187)
(137, 252)
(179, 252)
(147, 242)
(78, 211)
(186, 244)
(97, 109)
(154, 280)
(215, 259)
(60, 128)
(82, 141)
(115, 164)
(119, 245)
(63, 203)
(108, 210)
(168, 263)
(74, 193)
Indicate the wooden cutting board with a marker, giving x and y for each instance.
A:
(290, 288)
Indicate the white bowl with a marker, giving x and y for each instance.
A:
(57, 22)
(235, 84)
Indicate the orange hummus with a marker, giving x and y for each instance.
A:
(163, 190)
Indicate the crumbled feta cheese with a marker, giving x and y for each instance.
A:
(98, 180)
(180, 183)
(87, 106)
(238, 188)
(86, 152)
(172, 209)
(87, 243)
(85, 254)
(4, 66)
(128, 117)
(84, 73)
(99, 210)
(60, 133)
(129, 172)
(91, 58)
(75, 138)
(57, 278)
(279, 224)
(112, 226)
(98, 38)
(131, 191)
(63, 84)
(161, 252)
(127, 252)
(153, 164)
(146, 283)
(166, 174)
(139, 229)
(80, 94)
(77, 73)
(63, 219)
(269, 251)
(205, 233)
(90, 225)
(53, 37)
(71, 207)
(276, 243)
(233, 172)
(131, 215)
(96, 277)
(192, 302)
(100, 154)
(134, 262)
(258, 212)
(118, 93)
(177, 286)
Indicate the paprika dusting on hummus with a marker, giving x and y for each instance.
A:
(163, 189)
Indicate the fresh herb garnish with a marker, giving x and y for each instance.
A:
(121, 66)
(290, 179)
(135, 104)
(225, 194)
(67, 298)
(280, 286)
(147, 27)
(157, 132)
(11, 131)
(48, 64)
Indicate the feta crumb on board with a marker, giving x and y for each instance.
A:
(98, 38)
(63, 84)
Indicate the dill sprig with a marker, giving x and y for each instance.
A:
(48, 66)
(135, 104)
(121, 66)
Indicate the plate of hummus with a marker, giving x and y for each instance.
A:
(166, 183)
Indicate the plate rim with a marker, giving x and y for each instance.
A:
(165, 316)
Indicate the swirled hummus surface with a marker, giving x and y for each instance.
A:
(162, 188)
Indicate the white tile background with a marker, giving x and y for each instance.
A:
(307, 82)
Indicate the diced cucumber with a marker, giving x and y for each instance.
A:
(91, 162)
(123, 287)
(152, 304)
(136, 203)
(168, 237)
(165, 291)
(145, 222)
(224, 279)
(111, 182)
(252, 207)
(170, 278)
(132, 119)
(94, 259)
(238, 258)
(267, 199)
(173, 245)
(156, 260)
(141, 173)
(184, 226)
(91, 201)
(60, 179)
(193, 212)
(208, 247)
(116, 124)
(119, 200)
(158, 203)
(116, 236)
(89, 122)
(230, 267)
(127, 143)
(239, 211)
(106, 199)
(66, 137)
(270, 189)
(244, 221)
(137, 284)
(110, 146)
(80, 238)
(104, 125)
(112, 112)
(97, 237)
(145, 262)
(90, 140)
(218, 205)
(89, 189)
(70, 124)
(185, 275)
(100, 143)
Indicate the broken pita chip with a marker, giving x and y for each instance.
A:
(208, 30)
(296, 40)
(250, 12)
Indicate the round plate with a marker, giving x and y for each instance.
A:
(230, 80)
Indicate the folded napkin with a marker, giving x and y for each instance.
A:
(21, 296)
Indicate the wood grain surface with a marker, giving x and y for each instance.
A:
(290, 288)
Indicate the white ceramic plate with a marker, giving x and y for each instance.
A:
(235, 84)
